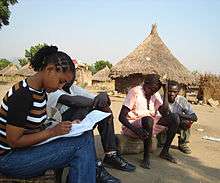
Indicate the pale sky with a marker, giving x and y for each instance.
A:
(90, 30)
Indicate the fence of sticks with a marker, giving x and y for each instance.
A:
(209, 87)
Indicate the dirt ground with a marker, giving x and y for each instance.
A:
(202, 166)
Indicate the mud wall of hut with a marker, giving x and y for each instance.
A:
(104, 85)
(83, 77)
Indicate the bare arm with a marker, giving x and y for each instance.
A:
(191, 117)
(17, 138)
(123, 119)
(164, 109)
(187, 111)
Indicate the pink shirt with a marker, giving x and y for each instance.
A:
(137, 103)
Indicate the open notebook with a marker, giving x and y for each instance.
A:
(85, 125)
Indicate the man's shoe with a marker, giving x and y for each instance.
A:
(119, 155)
(102, 176)
(184, 148)
(116, 161)
(168, 157)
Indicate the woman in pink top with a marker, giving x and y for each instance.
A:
(145, 114)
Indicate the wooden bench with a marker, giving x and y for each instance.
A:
(50, 176)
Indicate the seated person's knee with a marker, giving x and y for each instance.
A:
(175, 119)
(147, 122)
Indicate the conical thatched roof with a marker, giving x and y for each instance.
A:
(25, 71)
(10, 70)
(102, 75)
(152, 56)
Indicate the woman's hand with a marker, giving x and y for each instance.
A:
(62, 128)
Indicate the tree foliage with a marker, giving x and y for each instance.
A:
(4, 63)
(99, 65)
(33, 49)
(92, 68)
(22, 61)
(29, 53)
(5, 12)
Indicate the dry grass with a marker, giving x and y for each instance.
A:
(209, 87)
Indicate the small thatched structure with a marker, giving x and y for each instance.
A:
(151, 56)
(83, 75)
(8, 74)
(25, 71)
(101, 80)
(101, 76)
(10, 70)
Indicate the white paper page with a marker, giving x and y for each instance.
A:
(85, 125)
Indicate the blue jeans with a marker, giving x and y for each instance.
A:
(78, 153)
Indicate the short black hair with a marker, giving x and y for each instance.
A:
(152, 79)
(173, 83)
(50, 55)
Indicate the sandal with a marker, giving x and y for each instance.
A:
(184, 148)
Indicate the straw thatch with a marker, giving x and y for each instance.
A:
(102, 81)
(209, 87)
(10, 70)
(102, 75)
(152, 56)
(26, 71)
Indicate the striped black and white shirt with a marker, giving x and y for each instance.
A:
(23, 107)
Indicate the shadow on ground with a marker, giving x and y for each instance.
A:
(189, 169)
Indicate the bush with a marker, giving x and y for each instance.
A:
(4, 63)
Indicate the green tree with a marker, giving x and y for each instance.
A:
(31, 52)
(5, 12)
(22, 61)
(92, 68)
(101, 64)
(4, 63)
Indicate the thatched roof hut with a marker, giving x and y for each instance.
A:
(26, 71)
(10, 70)
(151, 56)
(102, 75)
(83, 75)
